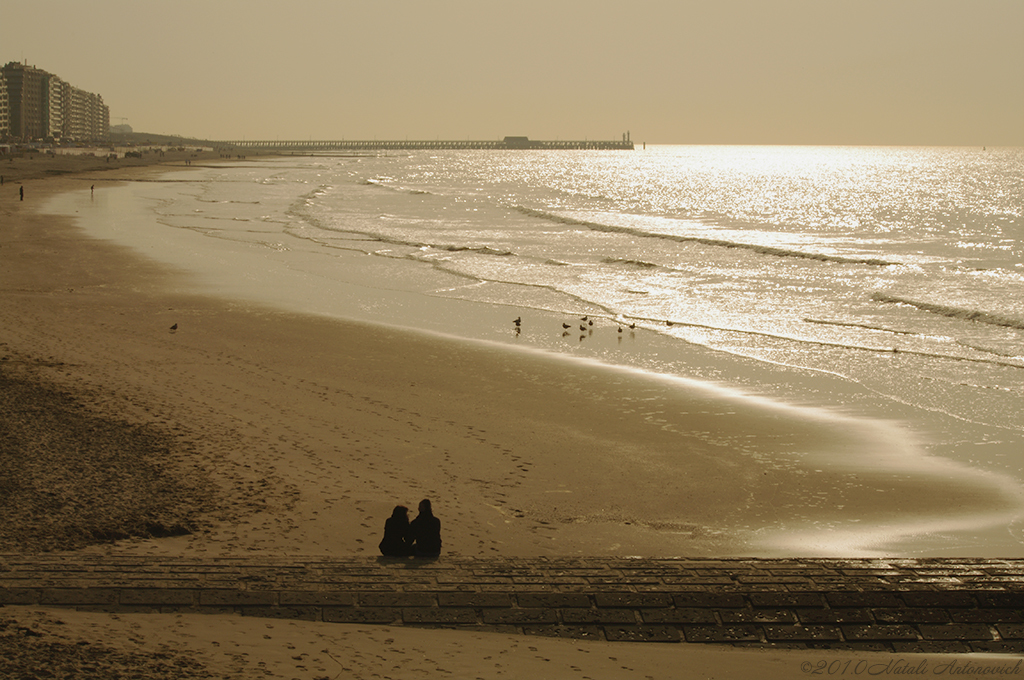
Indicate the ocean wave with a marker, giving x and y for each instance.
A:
(762, 249)
(482, 250)
(953, 312)
(379, 183)
(633, 263)
(848, 324)
(660, 324)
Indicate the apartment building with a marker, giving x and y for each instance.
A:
(5, 119)
(37, 105)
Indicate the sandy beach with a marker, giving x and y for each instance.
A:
(172, 423)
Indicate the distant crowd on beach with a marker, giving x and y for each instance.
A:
(420, 537)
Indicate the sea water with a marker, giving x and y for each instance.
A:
(865, 262)
(900, 270)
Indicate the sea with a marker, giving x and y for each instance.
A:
(896, 270)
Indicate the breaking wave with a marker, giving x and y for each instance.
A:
(953, 312)
(762, 249)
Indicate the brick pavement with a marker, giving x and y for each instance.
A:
(926, 605)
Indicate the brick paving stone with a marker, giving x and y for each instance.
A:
(78, 596)
(911, 615)
(317, 598)
(704, 599)
(601, 616)
(1001, 647)
(787, 599)
(474, 599)
(757, 616)
(519, 616)
(641, 634)
(633, 600)
(19, 596)
(845, 615)
(553, 600)
(862, 599)
(955, 631)
(891, 632)
(932, 647)
(699, 580)
(986, 616)
(1011, 631)
(574, 632)
(938, 599)
(801, 633)
(380, 615)
(158, 596)
(722, 633)
(678, 615)
(236, 598)
(298, 613)
(434, 615)
(1000, 599)
(396, 599)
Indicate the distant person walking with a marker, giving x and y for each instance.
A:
(397, 541)
(21, 193)
(426, 532)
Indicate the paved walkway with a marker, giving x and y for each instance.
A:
(947, 605)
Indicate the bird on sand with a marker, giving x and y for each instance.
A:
(518, 320)
(174, 327)
(565, 325)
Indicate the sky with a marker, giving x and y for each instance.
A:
(847, 72)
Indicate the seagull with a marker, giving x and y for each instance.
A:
(583, 328)
(583, 318)
(565, 325)
(620, 329)
(632, 325)
(518, 320)
(174, 327)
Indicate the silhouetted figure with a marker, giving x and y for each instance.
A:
(21, 193)
(397, 541)
(426, 532)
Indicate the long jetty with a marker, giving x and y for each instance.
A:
(415, 145)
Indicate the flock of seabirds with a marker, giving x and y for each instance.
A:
(586, 326)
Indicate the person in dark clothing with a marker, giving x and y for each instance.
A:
(426, 532)
(397, 541)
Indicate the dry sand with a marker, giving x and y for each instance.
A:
(183, 647)
(262, 431)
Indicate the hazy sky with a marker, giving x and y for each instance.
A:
(672, 71)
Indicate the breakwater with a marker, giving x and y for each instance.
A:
(895, 605)
(413, 145)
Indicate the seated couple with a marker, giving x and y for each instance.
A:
(420, 537)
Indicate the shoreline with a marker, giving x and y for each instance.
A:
(330, 422)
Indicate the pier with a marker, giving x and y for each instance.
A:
(625, 144)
